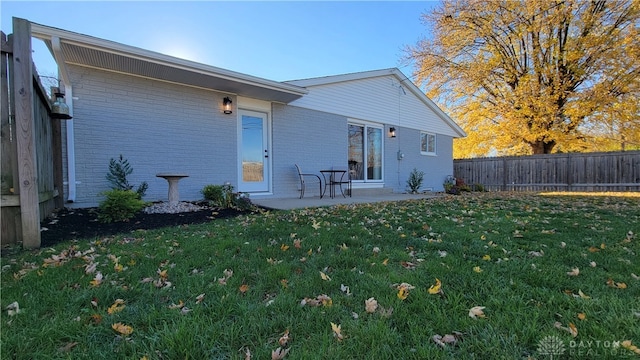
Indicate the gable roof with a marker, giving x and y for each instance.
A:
(336, 80)
(73, 48)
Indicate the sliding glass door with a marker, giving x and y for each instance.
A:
(365, 152)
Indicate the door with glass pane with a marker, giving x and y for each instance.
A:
(365, 152)
(253, 151)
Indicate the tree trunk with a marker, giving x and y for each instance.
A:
(542, 147)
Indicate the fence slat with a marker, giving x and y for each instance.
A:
(612, 171)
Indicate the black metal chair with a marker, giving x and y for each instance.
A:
(302, 176)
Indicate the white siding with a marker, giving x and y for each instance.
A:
(379, 99)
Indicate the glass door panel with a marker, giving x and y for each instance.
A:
(253, 152)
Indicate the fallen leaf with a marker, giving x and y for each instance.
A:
(97, 280)
(582, 316)
(284, 247)
(486, 257)
(571, 329)
(279, 353)
(344, 247)
(297, 244)
(370, 305)
(617, 285)
(243, 288)
(337, 331)
(179, 305)
(376, 250)
(574, 272)
(593, 264)
(324, 276)
(563, 244)
(408, 265)
(345, 289)
(199, 298)
(13, 308)
(477, 269)
(284, 339)
(385, 261)
(476, 312)
(117, 306)
(122, 328)
(403, 293)
(582, 295)
(436, 289)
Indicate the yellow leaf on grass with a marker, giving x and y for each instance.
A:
(118, 267)
(476, 312)
(437, 288)
(617, 285)
(117, 306)
(122, 328)
(573, 272)
(573, 330)
(97, 280)
(243, 288)
(337, 331)
(486, 257)
(477, 269)
(403, 293)
(582, 295)
(284, 247)
(385, 261)
(582, 316)
(324, 276)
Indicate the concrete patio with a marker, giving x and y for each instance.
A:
(316, 201)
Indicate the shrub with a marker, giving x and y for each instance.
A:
(223, 196)
(214, 194)
(119, 205)
(415, 180)
(117, 176)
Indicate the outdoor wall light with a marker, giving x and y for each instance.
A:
(226, 105)
(59, 109)
(392, 132)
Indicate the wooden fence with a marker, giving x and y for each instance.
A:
(612, 171)
(31, 168)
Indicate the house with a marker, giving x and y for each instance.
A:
(166, 114)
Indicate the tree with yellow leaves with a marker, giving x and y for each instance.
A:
(534, 76)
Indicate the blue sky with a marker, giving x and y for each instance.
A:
(275, 40)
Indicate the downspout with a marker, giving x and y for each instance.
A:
(71, 152)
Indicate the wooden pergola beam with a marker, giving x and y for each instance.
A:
(25, 134)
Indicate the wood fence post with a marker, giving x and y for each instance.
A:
(25, 134)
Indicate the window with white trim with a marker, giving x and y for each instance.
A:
(427, 143)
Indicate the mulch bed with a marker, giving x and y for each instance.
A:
(69, 224)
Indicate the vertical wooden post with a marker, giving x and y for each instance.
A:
(25, 134)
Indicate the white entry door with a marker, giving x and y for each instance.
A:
(253, 140)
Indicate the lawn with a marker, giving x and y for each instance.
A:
(500, 276)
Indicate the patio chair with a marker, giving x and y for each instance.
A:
(302, 176)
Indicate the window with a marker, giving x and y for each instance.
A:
(365, 152)
(427, 143)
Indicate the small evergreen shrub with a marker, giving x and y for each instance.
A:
(117, 176)
(415, 180)
(119, 205)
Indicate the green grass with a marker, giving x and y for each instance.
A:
(524, 295)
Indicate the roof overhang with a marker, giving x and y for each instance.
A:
(83, 50)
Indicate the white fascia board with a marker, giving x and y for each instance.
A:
(47, 33)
